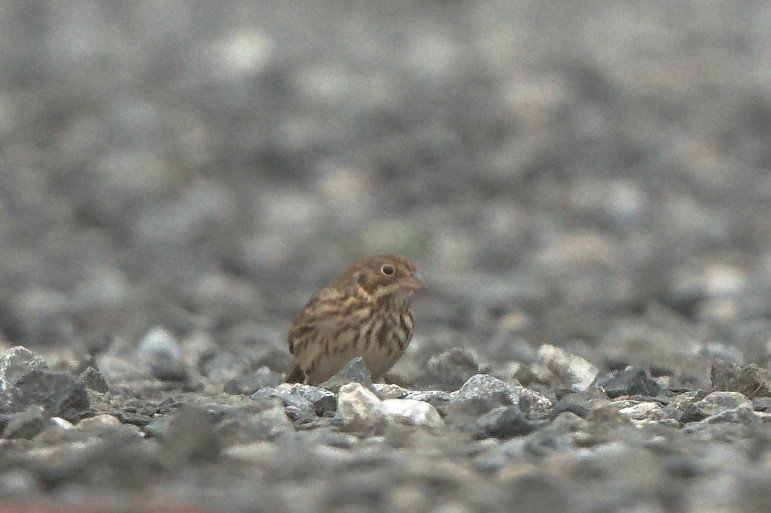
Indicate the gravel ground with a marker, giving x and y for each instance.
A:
(584, 186)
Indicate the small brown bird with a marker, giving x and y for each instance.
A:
(364, 312)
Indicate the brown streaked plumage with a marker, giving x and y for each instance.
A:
(364, 312)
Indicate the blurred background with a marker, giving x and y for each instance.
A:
(593, 174)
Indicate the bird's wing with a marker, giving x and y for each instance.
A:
(312, 317)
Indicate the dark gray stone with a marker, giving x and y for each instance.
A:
(354, 371)
(61, 394)
(632, 381)
(326, 406)
(94, 380)
(324, 402)
(167, 369)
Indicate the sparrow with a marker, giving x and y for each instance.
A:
(364, 312)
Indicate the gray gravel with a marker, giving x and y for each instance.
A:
(584, 186)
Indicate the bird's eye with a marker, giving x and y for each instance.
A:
(387, 270)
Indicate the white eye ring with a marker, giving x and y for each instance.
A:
(387, 270)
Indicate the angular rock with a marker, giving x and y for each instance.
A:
(412, 412)
(326, 407)
(482, 393)
(309, 392)
(682, 407)
(162, 353)
(359, 409)
(94, 380)
(631, 381)
(576, 373)
(15, 363)
(450, 369)
(354, 371)
(323, 401)
(62, 395)
(296, 402)
(252, 382)
(741, 415)
(485, 387)
(750, 380)
(718, 402)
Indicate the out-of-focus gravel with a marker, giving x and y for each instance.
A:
(585, 187)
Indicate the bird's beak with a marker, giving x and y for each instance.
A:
(412, 283)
